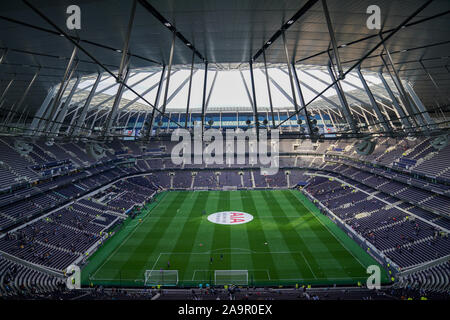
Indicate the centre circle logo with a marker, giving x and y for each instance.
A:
(230, 217)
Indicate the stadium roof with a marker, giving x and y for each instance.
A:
(229, 91)
(225, 33)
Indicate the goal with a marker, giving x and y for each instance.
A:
(236, 277)
(229, 188)
(161, 277)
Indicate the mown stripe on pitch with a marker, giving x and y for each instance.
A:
(349, 265)
(221, 234)
(240, 242)
(132, 261)
(292, 240)
(161, 253)
(186, 238)
(125, 231)
(322, 246)
(335, 247)
(257, 238)
(218, 237)
(136, 251)
(198, 262)
(359, 253)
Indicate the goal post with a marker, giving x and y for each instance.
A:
(231, 277)
(161, 277)
(229, 188)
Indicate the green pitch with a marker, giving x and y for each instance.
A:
(287, 242)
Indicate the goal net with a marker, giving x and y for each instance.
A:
(229, 188)
(236, 277)
(161, 277)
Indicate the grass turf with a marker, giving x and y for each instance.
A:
(303, 246)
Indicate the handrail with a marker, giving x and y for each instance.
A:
(34, 266)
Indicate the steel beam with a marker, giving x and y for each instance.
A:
(117, 99)
(410, 108)
(21, 115)
(343, 100)
(255, 104)
(136, 122)
(420, 106)
(65, 108)
(285, 26)
(178, 89)
(331, 119)
(128, 119)
(5, 91)
(291, 81)
(69, 38)
(75, 130)
(306, 86)
(65, 80)
(398, 83)
(170, 27)
(368, 53)
(158, 92)
(76, 110)
(91, 128)
(411, 49)
(50, 122)
(25, 118)
(98, 106)
(204, 96)
(80, 103)
(125, 61)
(246, 89)
(22, 98)
(347, 94)
(211, 90)
(438, 89)
(74, 37)
(41, 111)
(169, 70)
(374, 104)
(323, 121)
(144, 121)
(416, 22)
(348, 82)
(401, 113)
(189, 91)
(268, 89)
(4, 54)
(302, 100)
(387, 115)
(100, 91)
(333, 39)
(145, 93)
(363, 114)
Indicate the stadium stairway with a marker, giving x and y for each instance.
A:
(23, 278)
(410, 244)
(252, 177)
(390, 225)
(435, 278)
(192, 181)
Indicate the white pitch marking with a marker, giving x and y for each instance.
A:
(330, 232)
(127, 237)
(308, 265)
